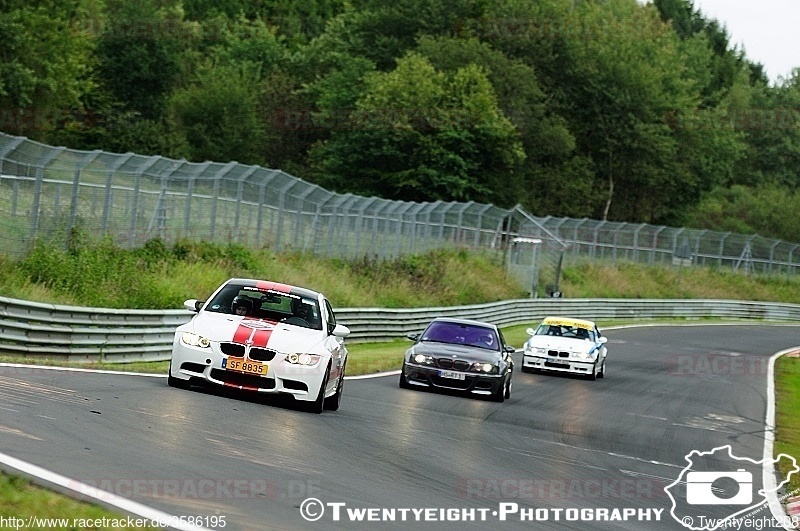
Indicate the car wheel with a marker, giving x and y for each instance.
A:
(176, 382)
(319, 404)
(332, 403)
(602, 373)
(500, 394)
(593, 376)
(526, 369)
(403, 381)
(508, 386)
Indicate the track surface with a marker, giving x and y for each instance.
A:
(559, 442)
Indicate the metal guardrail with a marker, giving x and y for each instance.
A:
(69, 333)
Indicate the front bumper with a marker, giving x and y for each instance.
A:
(210, 366)
(469, 382)
(551, 363)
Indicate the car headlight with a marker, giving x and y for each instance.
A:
(485, 367)
(194, 340)
(423, 359)
(587, 355)
(540, 351)
(303, 359)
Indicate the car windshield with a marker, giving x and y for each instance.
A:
(461, 334)
(575, 332)
(268, 304)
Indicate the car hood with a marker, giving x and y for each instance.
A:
(222, 328)
(463, 352)
(566, 344)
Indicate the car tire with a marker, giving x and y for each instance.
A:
(602, 373)
(593, 376)
(499, 396)
(403, 381)
(508, 387)
(318, 405)
(332, 403)
(526, 369)
(176, 382)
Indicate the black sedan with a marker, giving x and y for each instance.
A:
(462, 355)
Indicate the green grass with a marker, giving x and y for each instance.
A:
(21, 499)
(787, 415)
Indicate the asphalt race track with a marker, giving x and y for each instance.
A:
(559, 447)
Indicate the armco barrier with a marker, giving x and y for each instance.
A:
(35, 330)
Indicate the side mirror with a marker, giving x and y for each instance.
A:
(193, 305)
(602, 340)
(530, 332)
(340, 331)
(509, 349)
(412, 337)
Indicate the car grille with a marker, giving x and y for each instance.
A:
(450, 363)
(261, 354)
(232, 349)
(194, 367)
(558, 354)
(256, 353)
(237, 378)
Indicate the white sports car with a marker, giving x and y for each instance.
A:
(263, 337)
(566, 345)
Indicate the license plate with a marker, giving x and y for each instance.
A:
(452, 375)
(239, 364)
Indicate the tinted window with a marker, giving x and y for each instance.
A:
(331, 317)
(461, 334)
(269, 305)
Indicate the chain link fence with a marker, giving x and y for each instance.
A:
(48, 192)
(680, 247)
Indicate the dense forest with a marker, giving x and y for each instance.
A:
(606, 109)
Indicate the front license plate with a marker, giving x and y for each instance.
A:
(452, 375)
(239, 364)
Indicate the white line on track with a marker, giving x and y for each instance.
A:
(769, 474)
(85, 491)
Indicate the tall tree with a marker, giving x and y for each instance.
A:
(138, 53)
(724, 63)
(623, 83)
(548, 144)
(420, 134)
(218, 113)
(45, 63)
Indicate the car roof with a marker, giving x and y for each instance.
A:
(459, 320)
(269, 285)
(568, 321)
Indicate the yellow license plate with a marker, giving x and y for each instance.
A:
(241, 365)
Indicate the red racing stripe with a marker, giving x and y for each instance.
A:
(275, 286)
(261, 338)
(242, 334)
(283, 288)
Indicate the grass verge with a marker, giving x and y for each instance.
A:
(20, 499)
(787, 415)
